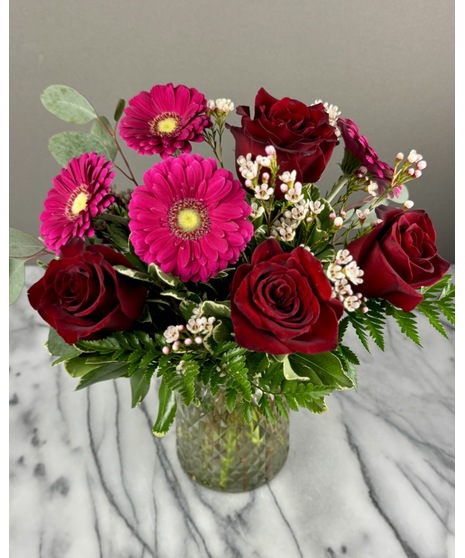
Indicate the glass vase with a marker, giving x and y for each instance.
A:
(220, 450)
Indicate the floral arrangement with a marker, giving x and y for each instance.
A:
(244, 278)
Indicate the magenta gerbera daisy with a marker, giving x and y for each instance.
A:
(165, 119)
(358, 146)
(80, 192)
(189, 218)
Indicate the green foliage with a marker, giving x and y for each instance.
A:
(216, 309)
(101, 129)
(166, 278)
(227, 366)
(119, 110)
(307, 395)
(16, 279)
(102, 373)
(58, 347)
(322, 369)
(349, 361)
(370, 324)
(67, 104)
(23, 245)
(439, 299)
(66, 145)
(407, 322)
(166, 410)
(179, 373)
(128, 354)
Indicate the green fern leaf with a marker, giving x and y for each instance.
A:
(359, 324)
(407, 323)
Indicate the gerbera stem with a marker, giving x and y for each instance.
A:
(123, 172)
(338, 186)
(112, 133)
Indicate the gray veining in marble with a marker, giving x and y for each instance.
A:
(372, 478)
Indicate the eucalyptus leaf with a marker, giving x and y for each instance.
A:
(23, 245)
(57, 346)
(17, 275)
(166, 410)
(101, 133)
(67, 145)
(403, 196)
(67, 104)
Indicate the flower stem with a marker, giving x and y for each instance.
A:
(112, 133)
(338, 186)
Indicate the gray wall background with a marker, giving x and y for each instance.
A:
(389, 66)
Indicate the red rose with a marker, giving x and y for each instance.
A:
(303, 137)
(281, 303)
(83, 297)
(399, 256)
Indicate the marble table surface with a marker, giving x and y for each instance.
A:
(371, 478)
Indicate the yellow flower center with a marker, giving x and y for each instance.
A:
(189, 219)
(79, 203)
(166, 124)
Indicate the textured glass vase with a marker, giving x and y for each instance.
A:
(221, 451)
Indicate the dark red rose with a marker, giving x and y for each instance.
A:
(281, 303)
(399, 256)
(303, 137)
(83, 297)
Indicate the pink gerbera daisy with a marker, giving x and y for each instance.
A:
(165, 119)
(189, 218)
(358, 146)
(80, 192)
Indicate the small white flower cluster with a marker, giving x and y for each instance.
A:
(285, 226)
(250, 169)
(220, 106)
(416, 159)
(412, 168)
(314, 208)
(333, 112)
(200, 324)
(197, 326)
(263, 191)
(362, 214)
(247, 167)
(342, 272)
(294, 194)
(372, 189)
(257, 210)
(338, 220)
